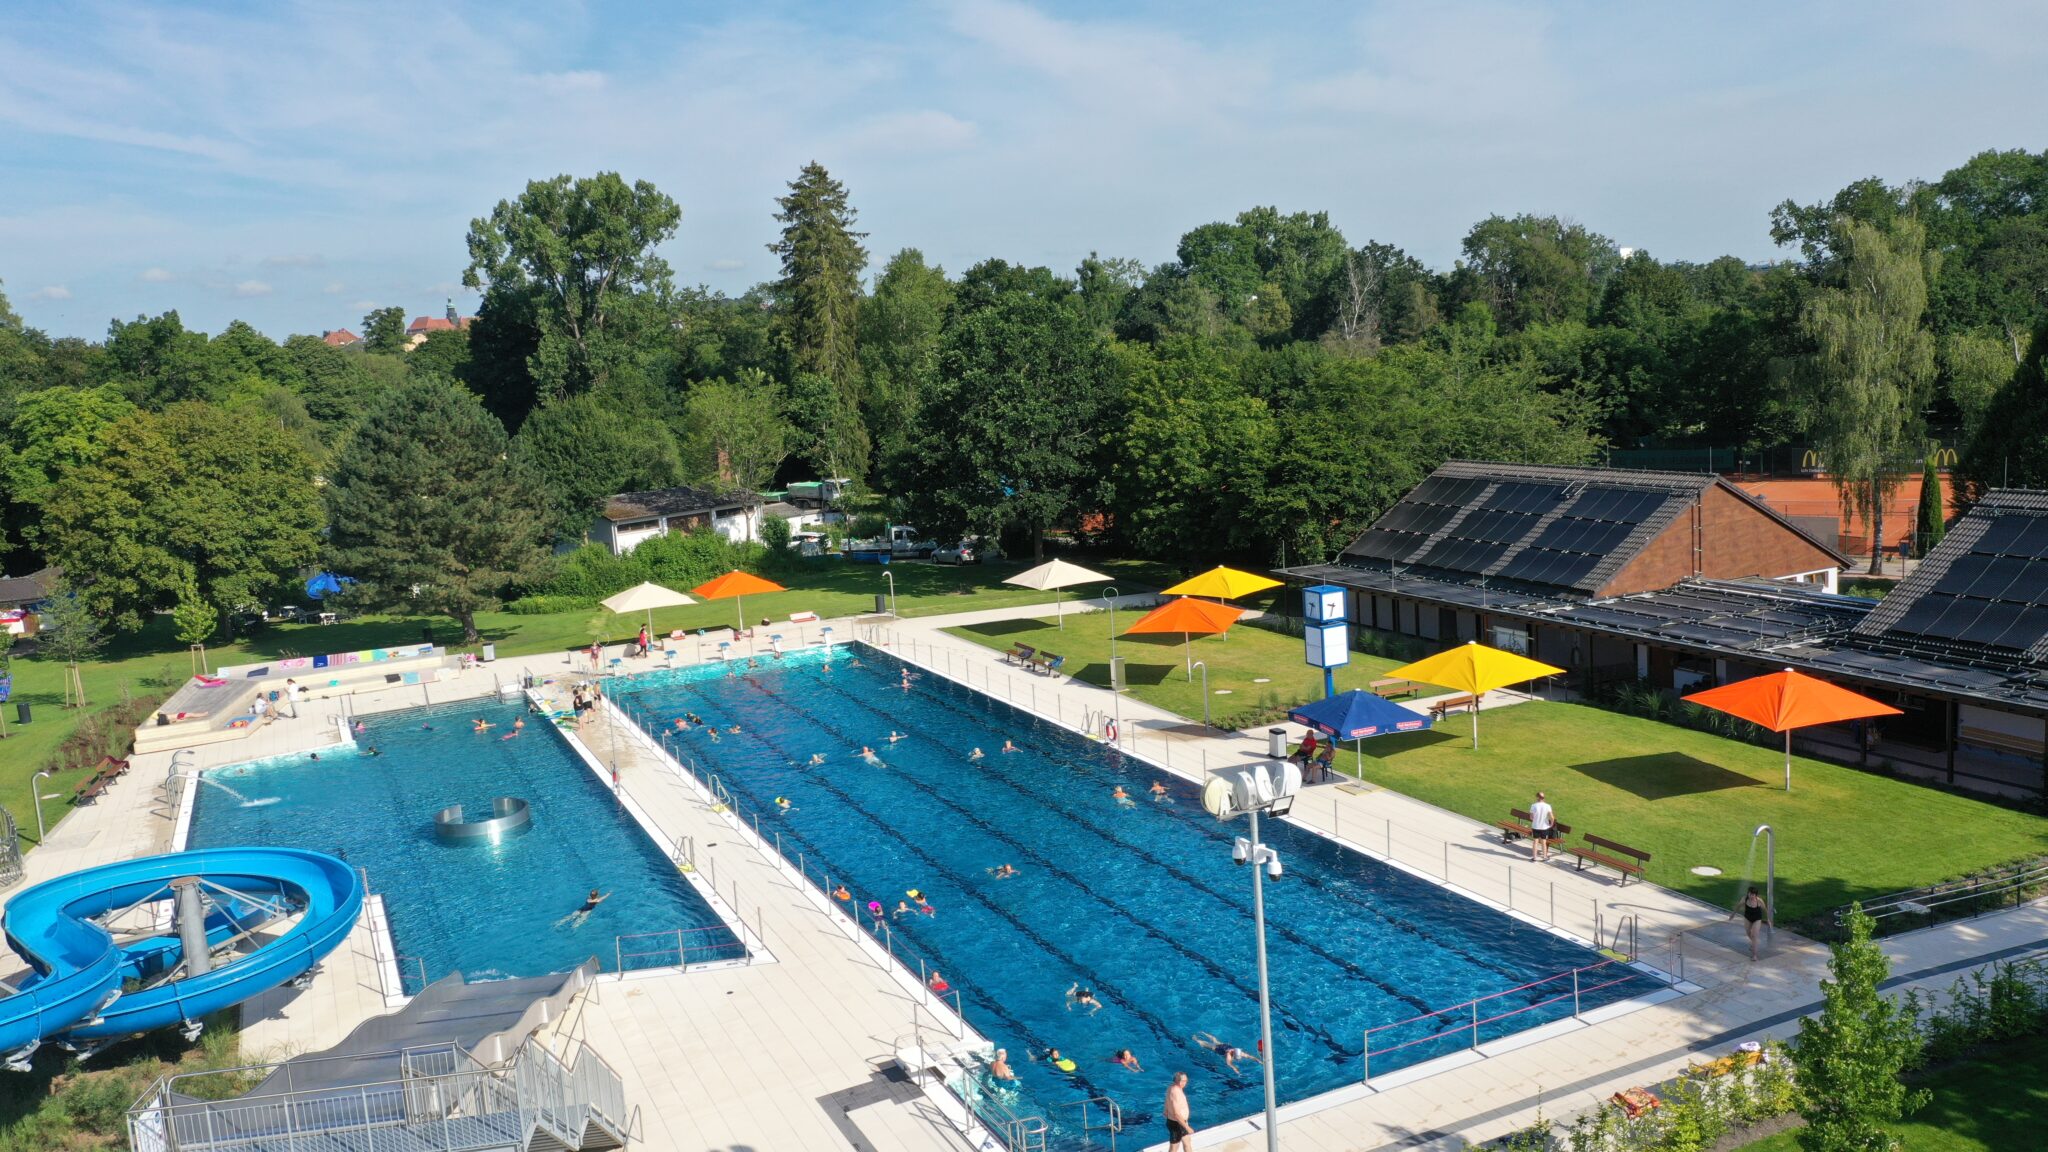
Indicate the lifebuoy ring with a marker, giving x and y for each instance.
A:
(1109, 731)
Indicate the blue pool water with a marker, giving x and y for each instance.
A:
(486, 910)
(1140, 903)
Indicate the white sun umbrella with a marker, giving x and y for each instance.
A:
(646, 597)
(1056, 574)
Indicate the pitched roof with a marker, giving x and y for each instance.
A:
(30, 588)
(1981, 596)
(679, 501)
(340, 338)
(429, 324)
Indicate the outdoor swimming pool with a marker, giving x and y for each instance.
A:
(1140, 903)
(486, 910)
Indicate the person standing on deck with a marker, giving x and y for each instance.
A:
(1180, 1133)
(1542, 828)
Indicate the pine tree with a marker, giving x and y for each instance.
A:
(428, 513)
(1850, 1055)
(819, 292)
(1933, 508)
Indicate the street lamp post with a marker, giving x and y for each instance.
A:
(1250, 789)
(35, 785)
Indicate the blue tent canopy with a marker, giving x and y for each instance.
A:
(1354, 715)
(326, 584)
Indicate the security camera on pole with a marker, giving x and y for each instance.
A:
(1248, 790)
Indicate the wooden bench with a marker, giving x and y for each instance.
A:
(1047, 663)
(1517, 825)
(1393, 688)
(1591, 851)
(1999, 741)
(1020, 654)
(110, 771)
(1449, 704)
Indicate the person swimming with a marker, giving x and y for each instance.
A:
(1009, 746)
(1123, 798)
(518, 726)
(817, 758)
(868, 754)
(1128, 1059)
(480, 725)
(937, 983)
(894, 736)
(682, 724)
(733, 731)
(693, 718)
(1158, 791)
(1053, 1057)
(362, 727)
(575, 919)
(975, 755)
(1002, 872)
(371, 750)
(1000, 1066)
(903, 908)
(1079, 997)
(840, 893)
(783, 805)
(1231, 1053)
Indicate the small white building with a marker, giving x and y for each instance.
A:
(630, 517)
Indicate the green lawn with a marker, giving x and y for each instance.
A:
(1690, 798)
(1995, 1103)
(153, 661)
(1155, 667)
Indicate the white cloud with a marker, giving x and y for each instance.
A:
(52, 292)
(726, 265)
(249, 288)
(155, 276)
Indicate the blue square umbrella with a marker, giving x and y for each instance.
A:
(1355, 715)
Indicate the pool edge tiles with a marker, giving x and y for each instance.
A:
(700, 910)
(1313, 1101)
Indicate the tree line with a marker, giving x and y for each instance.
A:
(1259, 397)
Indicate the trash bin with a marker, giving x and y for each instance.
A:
(490, 653)
(1276, 743)
(881, 604)
(1116, 674)
(21, 712)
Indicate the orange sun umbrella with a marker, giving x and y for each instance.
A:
(1786, 700)
(1189, 617)
(735, 585)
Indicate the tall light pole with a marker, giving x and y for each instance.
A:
(1250, 789)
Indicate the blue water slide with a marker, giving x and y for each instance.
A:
(75, 989)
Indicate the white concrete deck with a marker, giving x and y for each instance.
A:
(786, 1056)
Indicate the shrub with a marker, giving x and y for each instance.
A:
(547, 605)
(1851, 1053)
(868, 526)
(679, 560)
(775, 534)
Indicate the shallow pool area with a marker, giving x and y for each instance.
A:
(1137, 901)
(489, 908)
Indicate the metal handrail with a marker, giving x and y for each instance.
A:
(1916, 901)
(1475, 1021)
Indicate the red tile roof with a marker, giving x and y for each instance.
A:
(428, 324)
(341, 338)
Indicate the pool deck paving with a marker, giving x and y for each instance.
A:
(795, 1052)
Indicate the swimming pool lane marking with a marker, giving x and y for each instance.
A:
(908, 849)
(1088, 766)
(978, 896)
(1129, 848)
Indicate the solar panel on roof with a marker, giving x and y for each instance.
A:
(1382, 546)
(1990, 623)
(2000, 534)
(1529, 498)
(2027, 628)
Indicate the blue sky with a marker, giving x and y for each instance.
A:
(295, 165)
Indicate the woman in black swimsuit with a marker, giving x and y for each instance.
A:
(1755, 913)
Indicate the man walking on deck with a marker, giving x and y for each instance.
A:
(1180, 1133)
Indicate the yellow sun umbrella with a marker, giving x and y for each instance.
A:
(1475, 669)
(1223, 584)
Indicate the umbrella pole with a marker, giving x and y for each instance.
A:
(1358, 748)
(740, 603)
(1187, 644)
(1475, 719)
(1060, 609)
(1788, 759)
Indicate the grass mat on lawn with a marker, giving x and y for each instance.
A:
(1689, 798)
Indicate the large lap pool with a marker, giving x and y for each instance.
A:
(486, 910)
(1141, 903)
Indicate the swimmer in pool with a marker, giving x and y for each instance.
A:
(1002, 872)
(783, 805)
(1009, 746)
(1053, 1057)
(1000, 1066)
(868, 754)
(518, 726)
(713, 733)
(938, 983)
(1123, 798)
(480, 725)
(974, 755)
(316, 755)
(682, 724)
(362, 727)
(734, 730)
(1231, 1053)
(1079, 997)
(372, 751)
(693, 718)
(924, 908)
(426, 727)
(575, 919)
(902, 909)
(1128, 1059)
(894, 736)
(817, 758)
(855, 663)
(1159, 793)
(840, 893)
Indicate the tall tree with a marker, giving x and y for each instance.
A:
(225, 495)
(581, 449)
(1873, 365)
(1850, 1054)
(428, 513)
(9, 318)
(736, 435)
(1933, 507)
(72, 632)
(901, 324)
(384, 330)
(583, 252)
(1538, 269)
(822, 260)
(1011, 436)
(53, 430)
